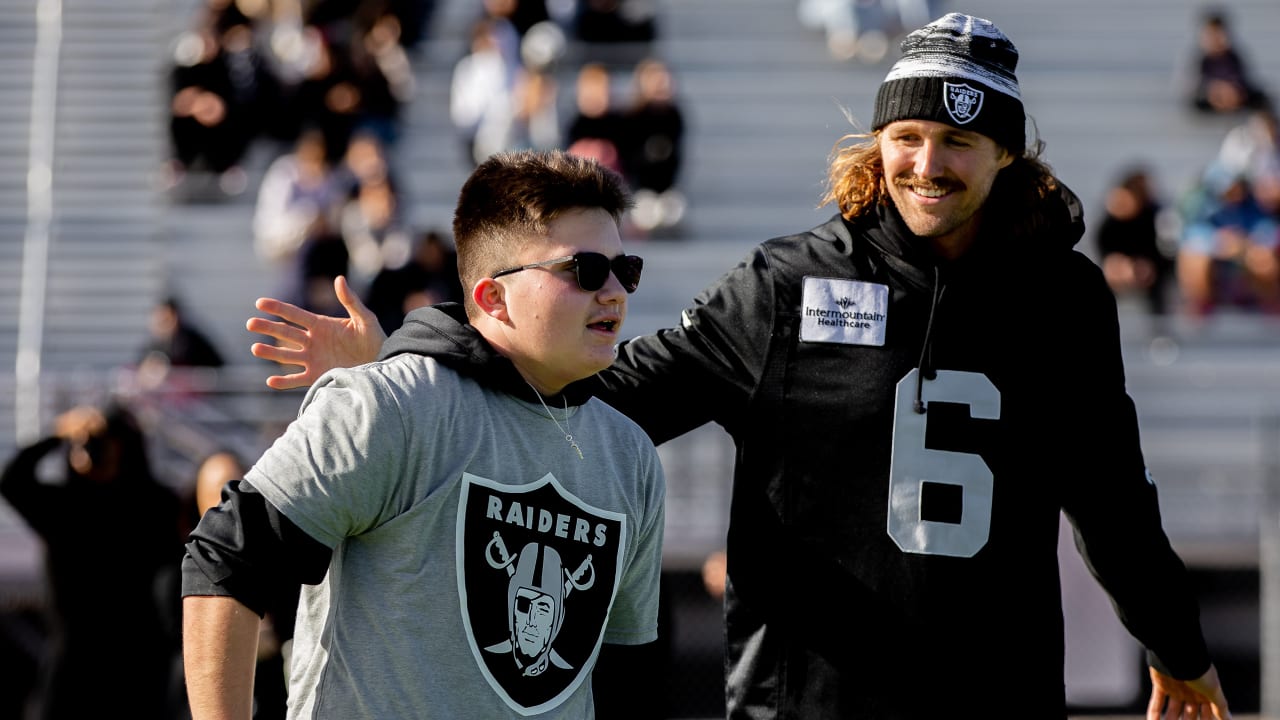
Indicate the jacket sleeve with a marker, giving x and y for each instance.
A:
(706, 368)
(1111, 499)
(249, 550)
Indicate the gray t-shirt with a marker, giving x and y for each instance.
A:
(478, 562)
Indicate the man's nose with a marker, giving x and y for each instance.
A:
(929, 160)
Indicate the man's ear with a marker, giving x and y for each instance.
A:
(491, 298)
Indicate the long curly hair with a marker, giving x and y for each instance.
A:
(856, 183)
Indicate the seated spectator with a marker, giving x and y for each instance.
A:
(428, 278)
(482, 95)
(596, 129)
(652, 147)
(175, 339)
(219, 87)
(1222, 81)
(371, 219)
(384, 78)
(536, 123)
(1129, 242)
(296, 197)
(331, 94)
(1228, 253)
(296, 222)
(1252, 148)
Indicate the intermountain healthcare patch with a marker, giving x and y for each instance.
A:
(850, 312)
(537, 572)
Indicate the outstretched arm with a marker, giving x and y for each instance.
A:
(220, 646)
(1200, 698)
(316, 343)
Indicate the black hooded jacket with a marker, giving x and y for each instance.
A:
(838, 606)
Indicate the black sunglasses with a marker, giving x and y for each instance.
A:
(592, 269)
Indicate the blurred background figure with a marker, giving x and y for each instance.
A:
(175, 341)
(371, 219)
(714, 569)
(221, 87)
(482, 94)
(112, 544)
(1252, 148)
(537, 124)
(384, 78)
(429, 277)
(853, 29)
(596, 130)
(275, 633)
(296, 223)
(615, 21)
(653, 147)
(1132, 247)
(329, 96)
(1227, 255)
(1222, 80)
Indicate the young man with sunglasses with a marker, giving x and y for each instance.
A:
(470, 528)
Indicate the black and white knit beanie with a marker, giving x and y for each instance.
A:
(957, 70)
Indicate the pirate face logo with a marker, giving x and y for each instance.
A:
(963, 102)
(533, 621)
(535, 617)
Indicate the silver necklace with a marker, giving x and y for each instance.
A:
(564, 429)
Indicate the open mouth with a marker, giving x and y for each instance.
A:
(930, 192)
(605, 325)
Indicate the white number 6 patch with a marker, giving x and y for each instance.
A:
(913, 465)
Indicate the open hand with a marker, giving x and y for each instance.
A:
(316, 343)
(1199, 699)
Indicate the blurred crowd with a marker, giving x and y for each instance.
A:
(321, 87)
(505, 95)
(865, 30)
(1213, 246)
(253, 70)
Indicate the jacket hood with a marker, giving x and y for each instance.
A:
(443, 333)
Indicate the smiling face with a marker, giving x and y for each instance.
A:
(552, 330)
(939, 177)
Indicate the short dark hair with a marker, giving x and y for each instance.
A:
(514, 195)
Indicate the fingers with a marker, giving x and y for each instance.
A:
(350, 301)
(277, 354)
(278, 330)
(289, 382)
(345, 296)
(283, 356)
(1156, 706)
(286, 311)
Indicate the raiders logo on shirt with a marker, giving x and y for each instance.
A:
(537, 571)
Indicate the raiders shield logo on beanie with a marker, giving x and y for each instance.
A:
(957, 70)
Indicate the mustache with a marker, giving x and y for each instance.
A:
(913, 182)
